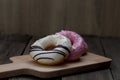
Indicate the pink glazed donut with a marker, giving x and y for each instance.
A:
(79, 46)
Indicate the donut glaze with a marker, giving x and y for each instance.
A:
(79, 46)
(51, 57)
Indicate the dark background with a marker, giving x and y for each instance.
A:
(43, 17)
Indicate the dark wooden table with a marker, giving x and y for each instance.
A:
(13, 45)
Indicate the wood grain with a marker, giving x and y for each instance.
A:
(7, 41)
(9, 44)
(26, 51)
(31, 17)
(110, 17)
(25, 65)
(12, 45)
(81, 16)
(40, 17)
(112, 50)
(95, 47)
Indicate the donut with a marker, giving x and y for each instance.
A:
(79, 46)
(51, 50)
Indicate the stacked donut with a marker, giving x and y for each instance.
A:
(55, 49)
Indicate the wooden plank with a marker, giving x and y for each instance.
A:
(26, 51)
(112, 50)
(81, 16)
(45, 17)
(11, 45)
(4, 46)
(95, 47)
(31, 16)
(18, 44)
(33, 39)
(25, 65)
(27, 77)
(110, 18)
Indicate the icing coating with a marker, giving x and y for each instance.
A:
(51, 57)
(79, 46)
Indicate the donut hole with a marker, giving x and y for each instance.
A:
(51, 47)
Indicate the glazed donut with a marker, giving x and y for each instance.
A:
(79, 46)
(40, 53)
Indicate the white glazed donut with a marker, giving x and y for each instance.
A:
(51, 57)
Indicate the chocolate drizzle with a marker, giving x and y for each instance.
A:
(43, 52)
(64, 48)
(52, 52)
(35, 48)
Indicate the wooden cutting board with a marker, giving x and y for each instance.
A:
(25, 65)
